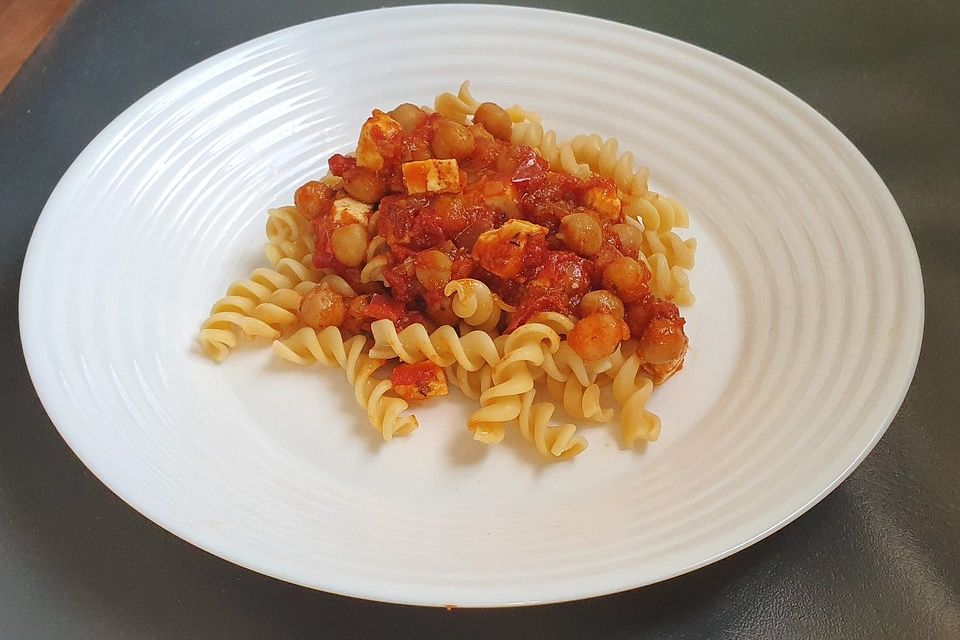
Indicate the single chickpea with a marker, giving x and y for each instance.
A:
(433, 269)
(364, 185)
(627, 278)
(601, 301)
(630, 238)
(349, 244)
(451, 140)
(313, 199)
(597, 335)
(410, 116)
(322, 307)
(495, 120)
(581, 232)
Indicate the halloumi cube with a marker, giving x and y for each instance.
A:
(431, 176)
(378, 127)
(605, 201)
(348, 211)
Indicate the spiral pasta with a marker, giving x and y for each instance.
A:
(579, 401)
(473, 301)
(632, 390)
(500, 403)
(668, 279)
(338, 284)
(456, 107)
(603, 158)
(670, 283)
(256, 308)
(471, 383)
(288, 235)
(463, 105)
(378, 244)
(678, 252)
(657, 212)
(219, 332)
(327, 347)
(286, 223)
(373, 270)
(557, 321)
(443, 347)
(559, 442)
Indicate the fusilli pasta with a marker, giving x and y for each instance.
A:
(603, 158)
(559, 442)
(632, 390)
(511, 378)
(443, 347)
(473, 301)
(256, 308)
(327, 347)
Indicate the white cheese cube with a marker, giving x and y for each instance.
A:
(379, 126)
(431, 176)
(348, 211)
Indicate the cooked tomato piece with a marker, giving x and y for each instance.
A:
(383, 308)
(419, 381)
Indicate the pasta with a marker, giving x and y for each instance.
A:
(256, 308)
(328, 348)
(443, 347)
(511, 378)
(632, 391)
(581, 402)
(473, 384)
(459, 107)
(288, 235)
(602, 156)
(469, 246)
(667, 281)
(474, 303)
(560, 156)
(559, 442)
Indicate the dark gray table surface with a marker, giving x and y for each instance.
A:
(878, 558)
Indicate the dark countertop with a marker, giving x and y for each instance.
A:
(878, 558)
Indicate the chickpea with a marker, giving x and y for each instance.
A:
(638, 316)
(433, 269)
(349, 244)
(630, 238)
(410, 116)
(601, 301)
(364, 185)
(627, 278)
(581, 232)
(313, 199)
(495, 120)
(663, 341)
(597, 336)
(451, 140)
(322, 307)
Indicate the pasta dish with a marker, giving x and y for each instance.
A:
(465, 245)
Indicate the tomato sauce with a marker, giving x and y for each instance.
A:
(531, 269)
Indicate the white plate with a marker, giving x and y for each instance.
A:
(804, 336)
